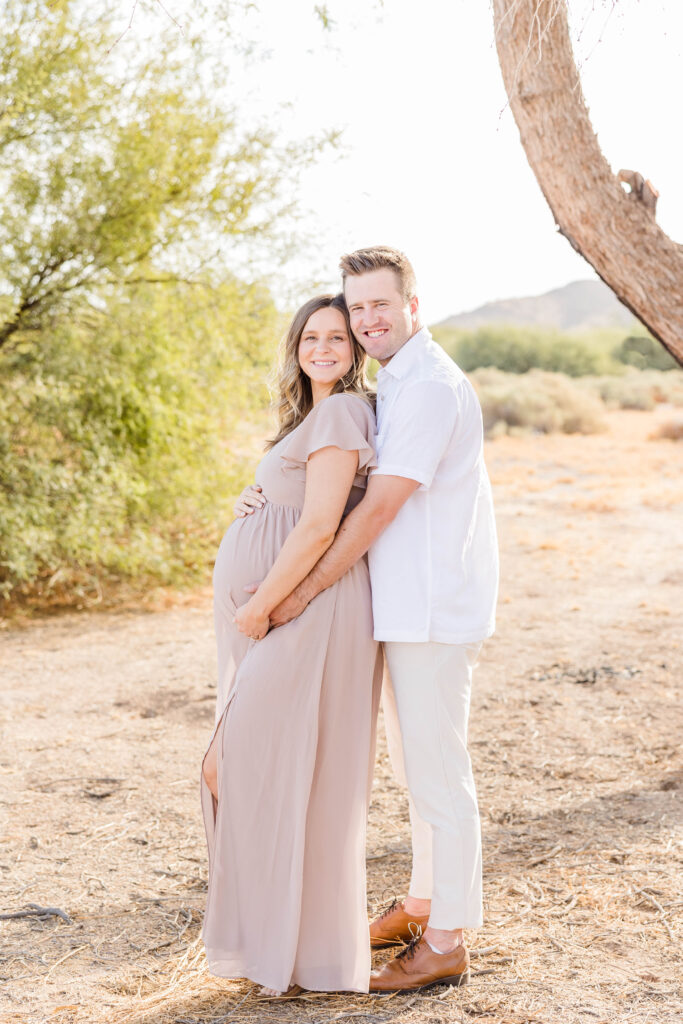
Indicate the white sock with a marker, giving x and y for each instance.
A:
(441, 952)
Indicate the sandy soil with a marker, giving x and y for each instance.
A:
(575, 737)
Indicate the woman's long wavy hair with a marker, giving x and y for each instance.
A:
(294, 398)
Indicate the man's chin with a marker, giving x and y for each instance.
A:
(378, 352)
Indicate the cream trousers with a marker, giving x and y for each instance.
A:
(426, 700)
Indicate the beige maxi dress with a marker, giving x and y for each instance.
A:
(296, 715)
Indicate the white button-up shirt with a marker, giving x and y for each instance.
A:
(434, 569)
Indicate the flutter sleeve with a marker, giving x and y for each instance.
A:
(340, 421)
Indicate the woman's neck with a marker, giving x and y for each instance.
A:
(320, 391)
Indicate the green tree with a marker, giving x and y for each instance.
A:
(107, 182)
(134, 340)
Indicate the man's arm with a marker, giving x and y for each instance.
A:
(384, 497)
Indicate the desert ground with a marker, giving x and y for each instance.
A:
(575, 731)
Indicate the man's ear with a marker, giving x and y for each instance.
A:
(414, 307)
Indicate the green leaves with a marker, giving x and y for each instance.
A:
(133, 345)
(114, 438)
(114, 174)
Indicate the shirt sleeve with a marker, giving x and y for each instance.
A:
(340, 421)
(419, 427)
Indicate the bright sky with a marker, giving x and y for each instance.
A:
(431, 159)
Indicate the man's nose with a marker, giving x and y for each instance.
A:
(369, 319)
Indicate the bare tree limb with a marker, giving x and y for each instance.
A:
(614, 231)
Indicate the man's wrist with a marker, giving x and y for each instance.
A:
(307, 589)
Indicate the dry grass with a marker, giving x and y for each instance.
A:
(575, 738)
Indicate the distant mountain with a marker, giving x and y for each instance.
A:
(576, 306)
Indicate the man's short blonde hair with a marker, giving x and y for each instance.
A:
(376, 258)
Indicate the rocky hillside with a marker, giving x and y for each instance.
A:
(574, 307)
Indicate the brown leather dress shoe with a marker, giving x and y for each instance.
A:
(418, 966)
(393, 926)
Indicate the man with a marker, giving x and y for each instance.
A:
(427, 520)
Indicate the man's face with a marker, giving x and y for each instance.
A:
(381, 318)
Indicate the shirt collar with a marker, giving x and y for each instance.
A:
(401, 363)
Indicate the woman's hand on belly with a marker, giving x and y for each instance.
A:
(251, 620)
(250, 499)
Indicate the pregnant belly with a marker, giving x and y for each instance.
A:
(248, 550)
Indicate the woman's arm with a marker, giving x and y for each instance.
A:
(329, 477)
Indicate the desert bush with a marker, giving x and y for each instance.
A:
(519, 349)
(638, 389)
(597, 352)
(536, 401)
(644, 353)
(672, 430)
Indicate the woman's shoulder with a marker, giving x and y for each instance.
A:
(344, 421)
(345, 404)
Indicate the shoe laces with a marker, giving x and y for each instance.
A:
(390, 909)
(408, 951)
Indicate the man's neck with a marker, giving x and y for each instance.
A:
(384, 362)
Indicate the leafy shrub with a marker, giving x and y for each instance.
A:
(114, 451)
(644, 353)
(536, 401)
(519, 349)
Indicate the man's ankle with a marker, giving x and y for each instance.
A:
(413, 905)
(444, 941)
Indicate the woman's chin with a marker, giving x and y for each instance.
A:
(325, 382)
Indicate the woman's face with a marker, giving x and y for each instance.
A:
(325, 352)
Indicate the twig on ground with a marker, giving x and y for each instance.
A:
(546, 856)
(66, 956)
(42, 913)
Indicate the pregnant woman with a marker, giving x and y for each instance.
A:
(286, 778)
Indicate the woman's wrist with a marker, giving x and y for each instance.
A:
(259, 607)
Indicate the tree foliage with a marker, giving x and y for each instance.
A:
(110, 180)
(133, 336)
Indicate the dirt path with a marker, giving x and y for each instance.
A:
(575, 737)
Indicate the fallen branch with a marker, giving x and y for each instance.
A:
(546, 856)
(42, 913)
